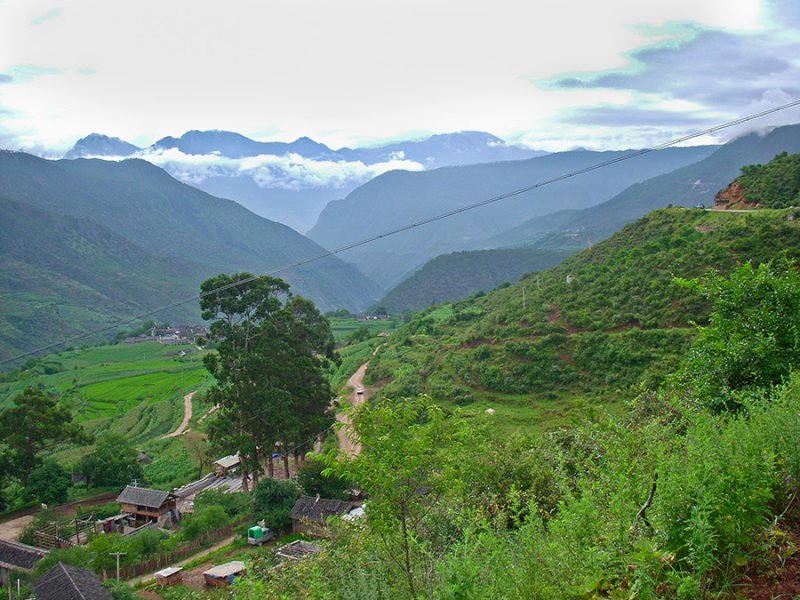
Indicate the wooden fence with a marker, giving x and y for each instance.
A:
(185, 550)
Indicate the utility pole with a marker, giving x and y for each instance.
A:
(523, 297)
(117, 554)
(538, 287)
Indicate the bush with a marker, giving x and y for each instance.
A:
(236, 506)
(113, 462)
(204, 520)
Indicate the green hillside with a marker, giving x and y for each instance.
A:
(599, 323)
(133, 389)
(451, 277)
(61, 276)
(775, 184)
(88, 242)
(143, 204)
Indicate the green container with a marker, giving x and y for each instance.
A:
(255, 533)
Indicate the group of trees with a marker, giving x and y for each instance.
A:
(35, 426)
(270, 384)
(31, 428)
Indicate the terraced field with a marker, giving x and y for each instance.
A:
(134, 389)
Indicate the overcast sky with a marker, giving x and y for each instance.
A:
(551, 74)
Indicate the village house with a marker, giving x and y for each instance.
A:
(149, 506)
(310, 514)
(227, 464)
(65, 582)
(15, 556)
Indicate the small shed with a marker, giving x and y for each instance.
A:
(226, 464)
(15, 556)
(310, 513)
(66, 582)
(169, 576)
(225, 574)
(149, 506)
(295, 551)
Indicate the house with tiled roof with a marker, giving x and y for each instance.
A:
(15, 556)
(149, 506)
(66, 582)
(310, 513)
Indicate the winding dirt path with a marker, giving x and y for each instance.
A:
(187, 416)
(356, 382)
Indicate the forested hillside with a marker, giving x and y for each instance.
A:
(165, 237)
(775, 184)
(62, 275)
(455, 276)
(601, 321)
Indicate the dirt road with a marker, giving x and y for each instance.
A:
(356, 382)
(187, 416)
(12, 528)
(180, 563)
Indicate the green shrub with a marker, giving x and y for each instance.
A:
(273, 500)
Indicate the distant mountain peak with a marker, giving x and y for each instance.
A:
(98, 144)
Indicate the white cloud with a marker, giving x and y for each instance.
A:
(288, 172)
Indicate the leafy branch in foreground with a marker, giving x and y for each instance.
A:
(752, 341)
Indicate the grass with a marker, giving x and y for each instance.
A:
(344, 326)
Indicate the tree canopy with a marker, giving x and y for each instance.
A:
(35, 424)
(113, 462)
(271, 349)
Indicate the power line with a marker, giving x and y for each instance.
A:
(392, 232)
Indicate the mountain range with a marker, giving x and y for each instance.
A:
(691, 185)
(401, 198)
(91, 241)
(292, 182)
(456, 276)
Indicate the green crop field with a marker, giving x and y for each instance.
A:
(134, 389)
(344, 326)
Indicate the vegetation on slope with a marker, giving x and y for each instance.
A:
(112, 238)
(61, 276)
(399, 198)
(688, 186)
(676, 499)
(453, 277)
(775, 184)
(600, 322)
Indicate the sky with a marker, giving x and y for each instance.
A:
(549, 74)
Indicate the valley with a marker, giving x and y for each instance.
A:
(570, 359)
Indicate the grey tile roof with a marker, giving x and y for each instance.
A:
(65, 582)
(319, 509)
(142, 497)
(20, 556)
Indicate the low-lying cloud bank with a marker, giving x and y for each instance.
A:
(291, 172)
